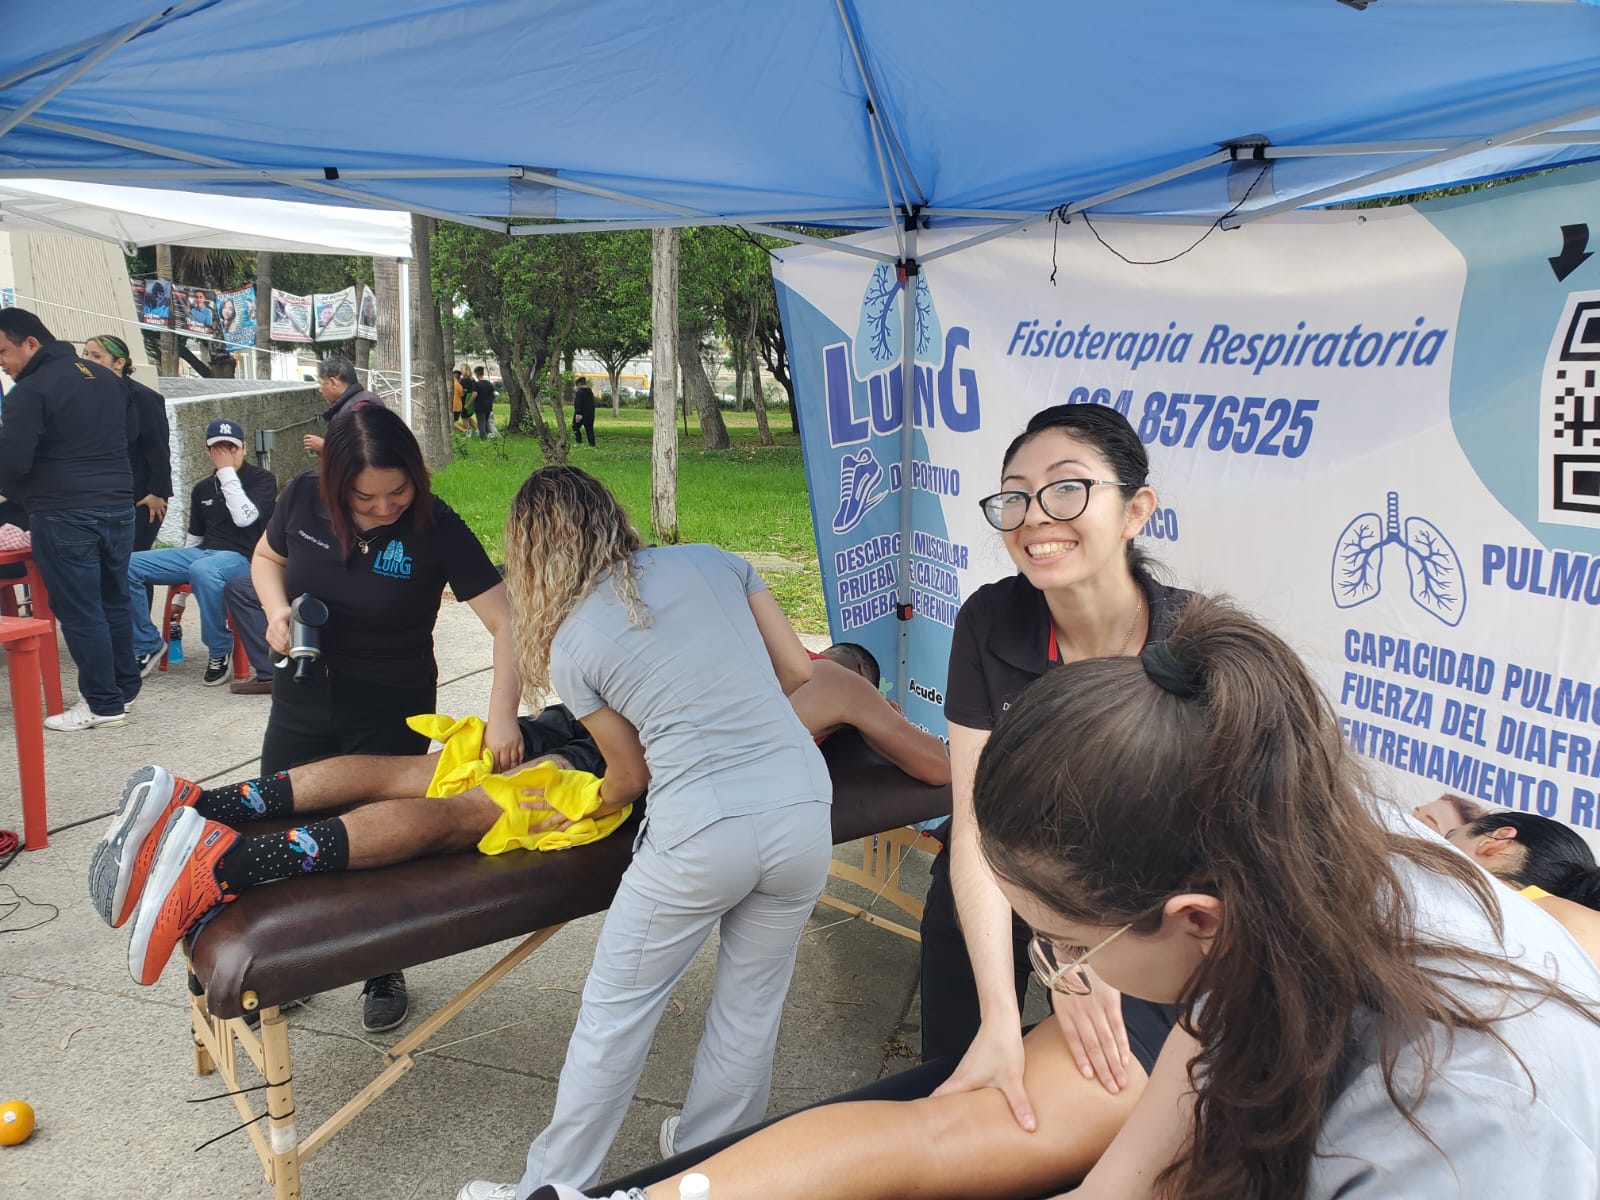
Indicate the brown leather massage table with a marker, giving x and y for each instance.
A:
(278, 943)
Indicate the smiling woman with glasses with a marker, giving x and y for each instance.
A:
(1074, 493)
(1353, 996)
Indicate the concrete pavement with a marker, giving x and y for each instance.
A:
(107, 1064)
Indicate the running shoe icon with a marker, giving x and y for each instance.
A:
(859, 476)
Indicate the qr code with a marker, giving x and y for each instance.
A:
(1569, 417)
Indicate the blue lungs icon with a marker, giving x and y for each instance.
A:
(880, 329)
(1437, 581)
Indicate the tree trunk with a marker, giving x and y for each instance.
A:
(169, 340)
(361, 354)
(449, 341)
(264, 315)
(697, 388)
(430, 417)
(615, 376)
(759, 399)
(738, 353)
(386, 287)
(664, 245)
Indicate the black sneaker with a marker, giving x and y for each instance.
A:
(384, 1002)
(217, 669)
(149, 662)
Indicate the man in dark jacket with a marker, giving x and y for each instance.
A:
(337, 381)
(483, 409)
(583, 411)
(64, 457)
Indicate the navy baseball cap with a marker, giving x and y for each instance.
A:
(224, 430)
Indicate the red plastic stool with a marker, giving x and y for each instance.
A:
(241, 661)
(24, 638)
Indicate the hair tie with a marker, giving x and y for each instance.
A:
(1170, 675)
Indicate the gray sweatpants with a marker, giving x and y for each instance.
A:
(758, 877)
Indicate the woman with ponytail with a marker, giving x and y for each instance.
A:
(1548, 862)
(1353, 999)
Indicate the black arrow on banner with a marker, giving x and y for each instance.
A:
(1574, 251)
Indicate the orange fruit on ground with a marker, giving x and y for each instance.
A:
(16, 1122)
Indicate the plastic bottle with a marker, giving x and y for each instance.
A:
(175, 632)
(694, 1187)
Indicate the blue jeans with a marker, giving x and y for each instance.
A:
(83, 554)
(206, 572)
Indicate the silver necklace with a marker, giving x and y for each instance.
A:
(366, 542)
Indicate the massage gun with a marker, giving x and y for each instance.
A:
(307, 616)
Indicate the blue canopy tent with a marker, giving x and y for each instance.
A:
(540, 116)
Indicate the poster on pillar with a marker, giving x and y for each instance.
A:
(1378, 430)
(367, 320)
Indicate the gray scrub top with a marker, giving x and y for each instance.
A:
(719, 735)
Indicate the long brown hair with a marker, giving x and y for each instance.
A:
(1103, 793)
(566, 532)
(369, 435)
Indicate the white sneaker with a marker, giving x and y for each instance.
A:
(669, 1135)
(482, 1189)
(79, 717)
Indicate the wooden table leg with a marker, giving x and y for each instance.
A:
(22, 663)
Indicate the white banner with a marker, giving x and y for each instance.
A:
(336, 315)
(1378, 430)
(291, 317)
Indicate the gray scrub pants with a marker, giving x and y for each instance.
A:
(757, 878)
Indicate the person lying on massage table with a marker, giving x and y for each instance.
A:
(396, 821)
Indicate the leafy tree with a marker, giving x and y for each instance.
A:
(526, 294)
(614, 318)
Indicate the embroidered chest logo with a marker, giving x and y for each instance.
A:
(393, 562)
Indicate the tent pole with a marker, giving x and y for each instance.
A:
(205, 160)
(405, 341)
(909, 270)
(1461, 149)
(117, 40)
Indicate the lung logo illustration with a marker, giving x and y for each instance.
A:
(860, 475)
(880, 329)
(1438, 583)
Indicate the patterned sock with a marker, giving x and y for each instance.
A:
(312, 849)
(252, 800)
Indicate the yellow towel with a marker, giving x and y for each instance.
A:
(466, 763)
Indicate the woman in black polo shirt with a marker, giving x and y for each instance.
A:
(368, 538)
(1074, 495)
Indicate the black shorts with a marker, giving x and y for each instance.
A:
(557, 731)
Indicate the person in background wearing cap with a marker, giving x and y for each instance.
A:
(227, 513)
(64, 458)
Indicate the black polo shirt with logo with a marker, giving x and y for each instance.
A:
(1001, 645)
(212, 523)
(383, 602)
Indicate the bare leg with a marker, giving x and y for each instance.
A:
(393, 831)
(354, 778)
(963, 1146)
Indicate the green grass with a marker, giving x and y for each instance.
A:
(750, 499)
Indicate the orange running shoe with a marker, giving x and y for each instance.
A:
(181, 889)
(122, 859)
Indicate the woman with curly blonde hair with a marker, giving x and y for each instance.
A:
(679, 663)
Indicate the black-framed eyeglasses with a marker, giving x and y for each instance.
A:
(1061, 500)
(1063, 971)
